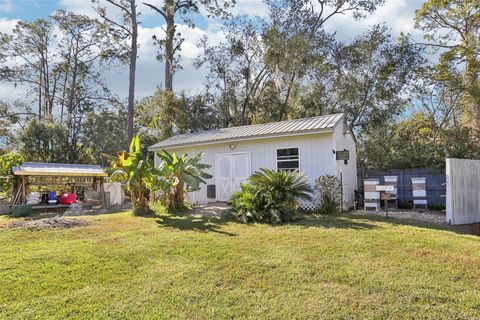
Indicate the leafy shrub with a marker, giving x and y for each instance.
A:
(143, 212)
(137, 171)
(7, 161)
(270, 196)
(181, 174)
(330, 194)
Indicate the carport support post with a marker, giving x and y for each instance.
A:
(24, 196)
(385, 202)
(102, 193)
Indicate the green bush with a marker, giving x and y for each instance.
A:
(270, 196)
(330, 194)
(143, 212)
(7, 161)
(180, 175)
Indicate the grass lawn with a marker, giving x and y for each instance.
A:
(340, 267)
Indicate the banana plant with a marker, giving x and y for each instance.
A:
(182, 175)
(139, 174)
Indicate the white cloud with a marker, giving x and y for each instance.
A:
(7, 25)
(8, 92)
(150, 72)
(398, 14)
(251, 7)
(86, 7)
(6, 6)
(77, 6)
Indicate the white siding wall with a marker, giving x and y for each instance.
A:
(315, 151)
(463, 191)
(345, 140)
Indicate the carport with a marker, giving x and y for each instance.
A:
(68, 177)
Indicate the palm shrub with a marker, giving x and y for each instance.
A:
(183, 175)
(271, 196)
(330, 194)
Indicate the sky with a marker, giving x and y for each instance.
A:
(397, 14)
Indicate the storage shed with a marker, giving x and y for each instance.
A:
(318, 146)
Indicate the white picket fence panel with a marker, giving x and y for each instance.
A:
(463, 191)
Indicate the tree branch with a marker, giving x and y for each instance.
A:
(156, 9)
(121, 7)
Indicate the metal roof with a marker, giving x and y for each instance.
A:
(58, 169)
(297, 126)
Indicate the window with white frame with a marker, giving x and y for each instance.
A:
(287, 159)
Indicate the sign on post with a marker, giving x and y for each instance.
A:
(343, 154)
(385, 188)
(385, 194)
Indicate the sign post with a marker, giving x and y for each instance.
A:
(342, 154)
(385, 195)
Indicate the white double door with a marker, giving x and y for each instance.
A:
(231, 169)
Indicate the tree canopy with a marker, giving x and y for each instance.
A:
(410, 102)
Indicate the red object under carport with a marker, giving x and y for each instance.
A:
(68, 198)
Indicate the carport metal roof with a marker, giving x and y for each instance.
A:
(58, 169)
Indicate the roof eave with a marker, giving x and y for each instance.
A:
(65, 174)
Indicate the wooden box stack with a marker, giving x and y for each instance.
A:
(372, 196)
(419, 192)
(392, 181)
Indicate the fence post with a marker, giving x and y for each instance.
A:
(449, 181)
(402, 184)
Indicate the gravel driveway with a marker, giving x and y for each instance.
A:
(426, 216)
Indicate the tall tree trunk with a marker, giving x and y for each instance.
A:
(133, 66)
(70, 106)
(46, 112)
(168, 11)
(40, 97)
(471, 83)
(170, 35)
(283, 110)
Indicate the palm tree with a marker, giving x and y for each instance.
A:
(271, 196)
(282, 186)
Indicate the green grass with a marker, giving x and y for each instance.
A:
(340, 267)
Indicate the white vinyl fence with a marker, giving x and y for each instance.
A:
(463, 191)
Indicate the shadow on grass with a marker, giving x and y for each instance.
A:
(37, 215)
(191, 223)
(333, 222)
(462, 229)
(360, 222)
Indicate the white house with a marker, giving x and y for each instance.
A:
(318, 146)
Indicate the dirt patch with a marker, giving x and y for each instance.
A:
(426, 216)
(49, 223)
